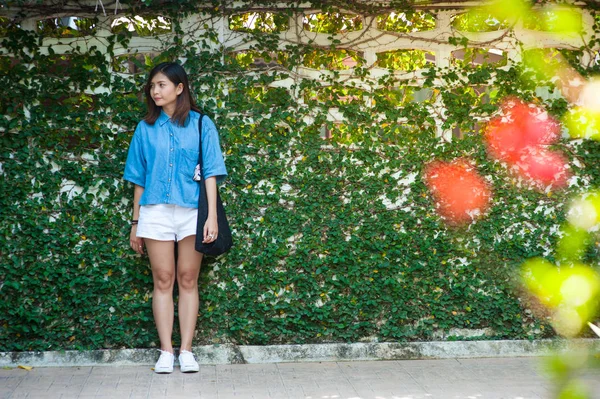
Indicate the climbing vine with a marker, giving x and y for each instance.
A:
(336, 236)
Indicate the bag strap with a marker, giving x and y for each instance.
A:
(200, 160)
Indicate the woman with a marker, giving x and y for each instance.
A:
(161, 161)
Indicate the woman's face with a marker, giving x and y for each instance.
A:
(164, 92)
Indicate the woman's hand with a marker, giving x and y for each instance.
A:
(136, 243)
(211, 229)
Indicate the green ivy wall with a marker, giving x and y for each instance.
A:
(336, 238)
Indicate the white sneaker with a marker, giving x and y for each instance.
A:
(164, 365)
(187, 362)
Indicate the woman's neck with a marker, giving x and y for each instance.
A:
(169, 111)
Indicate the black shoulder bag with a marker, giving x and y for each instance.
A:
(224, 240)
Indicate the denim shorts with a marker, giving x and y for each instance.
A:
(166, 222)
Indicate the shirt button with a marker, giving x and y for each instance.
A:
(167, 195)
(171, 149)
(170, 164)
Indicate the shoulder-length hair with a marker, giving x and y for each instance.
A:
(176, 74)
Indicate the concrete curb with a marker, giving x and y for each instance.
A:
(234, 354)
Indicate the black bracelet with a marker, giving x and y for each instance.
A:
(134, 222)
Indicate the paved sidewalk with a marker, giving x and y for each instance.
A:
(512, 378)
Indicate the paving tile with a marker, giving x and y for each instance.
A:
(275, 393)
(229, 395)
(90, 390)
(295, 395)
(252, 392)
(9, 383)
(209, 393)
(428, 363)
(423, 379)
(140, 392)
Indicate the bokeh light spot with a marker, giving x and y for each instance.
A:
(583, 211)
(576, 290)
(567, 322)
(583, 123)
(572, 244)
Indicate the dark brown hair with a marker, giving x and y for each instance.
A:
(176, 74)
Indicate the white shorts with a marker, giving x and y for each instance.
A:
(166, 222)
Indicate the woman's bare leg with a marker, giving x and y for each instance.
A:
(162, 261)
(188, 269)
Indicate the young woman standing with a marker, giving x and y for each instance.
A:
(161, 162)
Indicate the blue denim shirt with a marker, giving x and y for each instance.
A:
(162, 158)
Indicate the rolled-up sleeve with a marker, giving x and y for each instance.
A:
(135, 166)
(213, 163)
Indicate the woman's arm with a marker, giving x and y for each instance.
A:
(136, 243)
(211, 227)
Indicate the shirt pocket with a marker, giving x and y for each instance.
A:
(188, 161)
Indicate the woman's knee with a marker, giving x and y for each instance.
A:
(187, 280)
(164, 280)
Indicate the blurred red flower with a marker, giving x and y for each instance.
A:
(460, 193)
(519, 137)
(543, 167)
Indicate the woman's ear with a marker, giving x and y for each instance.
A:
(179, 89)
